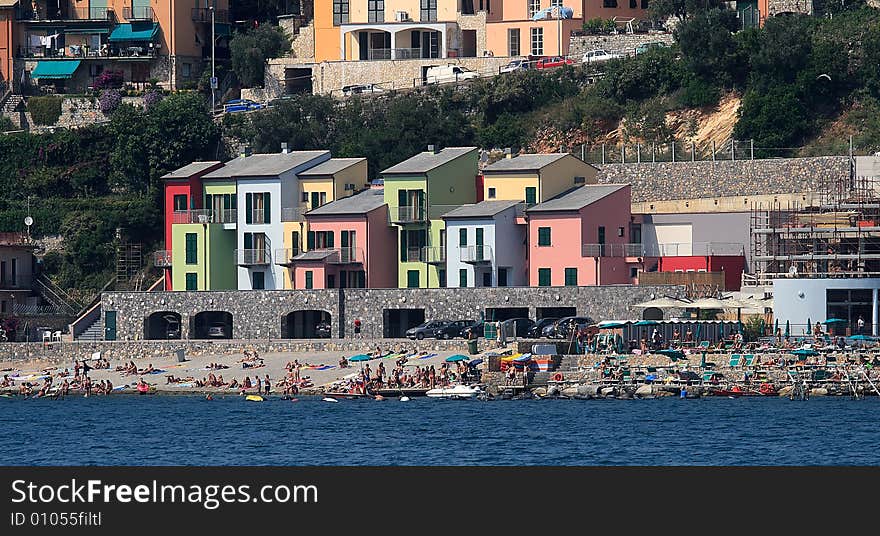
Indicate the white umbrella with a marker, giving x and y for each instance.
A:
(664, 302)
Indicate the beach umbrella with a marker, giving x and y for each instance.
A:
(776, 327)
(359, 357)
(475, 362)
(647, 323)
(863, 338)
(834, 321)
(663, 302)
(703, 360)
(611, 325)
(809, 326)
(456, 357)
(787, 329)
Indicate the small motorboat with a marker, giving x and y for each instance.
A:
(455, 392)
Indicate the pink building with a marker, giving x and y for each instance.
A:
(582, 237)
(350, 243)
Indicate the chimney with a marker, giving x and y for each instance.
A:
(508, 153)
(284, 149)
(432, 149)
(245, 151)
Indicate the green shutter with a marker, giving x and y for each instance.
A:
(316, 200)
(192, 281)
(310, 240)
(412, 278)
(479, 236)
(267, 207)
(571, 277)
(209, 204)
(192, 252)
(531, 195)
(421, 199)
(401, 198)
(343, 239)
(330, 239)
(543, 236)
(309, 277)
(294, 243)
(362, 279)
(248, 208)
(248, 241)
(543, 277)
(462, 278)
(403, 244)
(462, 237)
(234, 201)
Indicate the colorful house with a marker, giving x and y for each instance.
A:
(7, 46)
(535, 178)
(350, 245)
(265, 185)
(418, 192)
(486, 245)
(581, 238)
(528, 28)
(324, 183)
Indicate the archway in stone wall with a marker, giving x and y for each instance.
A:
(306, 324)
(395, 322)
(652, 313)
(211, 325)
(162, 325)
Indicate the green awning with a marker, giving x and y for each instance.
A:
(134, 31)
(80, 31)
(59, 69)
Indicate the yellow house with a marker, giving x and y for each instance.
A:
(333, 179)
(397, 29)
(535, 178)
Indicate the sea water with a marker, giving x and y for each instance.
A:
(189, 430)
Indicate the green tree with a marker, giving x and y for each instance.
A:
(251, 49)
(708, 49)
(776, 118)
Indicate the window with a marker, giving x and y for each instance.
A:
(502, 277)
(580, 180)
(462, 277)
(534, 7)
(319, 240)
(571, 277)
(331, 281)
(555, 3)
(259, 281)
(429, 10)
(2, 272)
(310, 277)
(462, 237)
(305, 197)
(295, 246)
(412, 279)
(531, 195)
(543, 277)
(180, 202)
(644, 4)
(14, 277)
(258, 208)
(537, 41)
(186, 70)
(601, 234)
(375, 10)
(609, 3)
(620, 231)
(192, 251)
(3, 306)
(513, 42)
(340, 12)
(192, 281)
(491, 193)
(487, 279)
(441, 275)
(633, 272)
(543, 236)
(633, 4)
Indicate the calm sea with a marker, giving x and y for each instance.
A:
(184, 430)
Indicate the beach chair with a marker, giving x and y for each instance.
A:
(734, 360)
(749, 360)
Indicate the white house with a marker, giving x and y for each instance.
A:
(802, 300)
(486, 245)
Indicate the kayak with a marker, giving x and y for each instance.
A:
(254, 398)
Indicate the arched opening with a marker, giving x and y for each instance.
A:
(162, 325)
(212, 325)
(652, 313)
(307, 324)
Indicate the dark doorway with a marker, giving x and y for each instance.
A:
(555, 312)
(212, 325)
(506, 313)
(297, 81)
(469, 43)
(652, 313)
(397, 321)
(308, 324)
(162, 325)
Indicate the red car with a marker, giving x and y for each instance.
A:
(553, 61)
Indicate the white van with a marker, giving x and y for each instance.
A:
(449, 73)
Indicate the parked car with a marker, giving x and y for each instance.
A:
(241, 105)
(322, 330)
(515, 65)
(477, 329)
(599, 55)
(453, 329)
(357, 89)
(563, 328)
(553, 61)
(644, 47)
(217, 329)
(426, 329)
(536, 330)
(449, 73)
(521, 326)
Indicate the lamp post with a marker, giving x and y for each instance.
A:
(213, 76)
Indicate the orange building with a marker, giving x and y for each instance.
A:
(7, 31)
(69, 43)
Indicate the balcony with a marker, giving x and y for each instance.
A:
(204, 216)
(292, 214)
(682, 249)
(257, 217)
(252, 257)
(203, 14)
(348, 255)
(410, 214)
(137, 13)
(92, 14)
(284, 256)
(612, 250)
(414, 254)
(162, 258)
(476, 254)
(435, 255)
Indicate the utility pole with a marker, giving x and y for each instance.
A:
(213, 61)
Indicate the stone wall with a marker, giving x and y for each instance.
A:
(775, 7)
(82, 111)
(477, 22)
(329, 77)
(256, 94)
(261, 314)
(621, 43)
(302, 44)
(689, 180)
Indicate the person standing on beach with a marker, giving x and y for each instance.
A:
(357, 327)
(860, 325)
(267, 386)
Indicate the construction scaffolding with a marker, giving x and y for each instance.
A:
(835, 233)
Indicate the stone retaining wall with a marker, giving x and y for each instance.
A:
(775, 7)
(621, 43)
(690, 180)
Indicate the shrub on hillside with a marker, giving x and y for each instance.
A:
(44, 110)
(109, 80)
(109, 101)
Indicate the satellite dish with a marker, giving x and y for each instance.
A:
(28, 221)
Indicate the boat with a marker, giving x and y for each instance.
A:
(402, 391)
(350, 396)
(455, 392)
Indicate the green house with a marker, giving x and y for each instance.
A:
(419, 191)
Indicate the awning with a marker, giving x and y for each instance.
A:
(134, 31)
(59, 69)
(86, 31)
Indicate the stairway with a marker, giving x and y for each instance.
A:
(95, 331)
(11, 104)
(55, 295)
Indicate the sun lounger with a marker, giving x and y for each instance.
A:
(734, 360)
(749, 360)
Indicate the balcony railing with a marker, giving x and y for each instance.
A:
(435, 254)
(252, 257)
(284, 256)
(205, 216)
(414, 254)
(292, 214)
(162, 258)
(681, 249)
(476, 254)
(410, 214)
(347, 255)
(258, 217)
(203, 14)
(137, 13)
(79, 13)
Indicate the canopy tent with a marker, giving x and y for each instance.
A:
(56, 70)
(647, 323)
(834, 321)
(610, 325)
(134, 31)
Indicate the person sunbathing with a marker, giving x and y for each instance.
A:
(233, 384)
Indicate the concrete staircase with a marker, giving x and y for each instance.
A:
(95, 331)
(11, 104)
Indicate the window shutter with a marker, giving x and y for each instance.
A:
(330, 239)
(362, 279)
(248, 208)
(402, 246)
(462, 237)
(248, 241)
(310, 240)
(267, 207)
(401, 198)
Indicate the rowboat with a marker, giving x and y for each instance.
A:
(455, 392)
